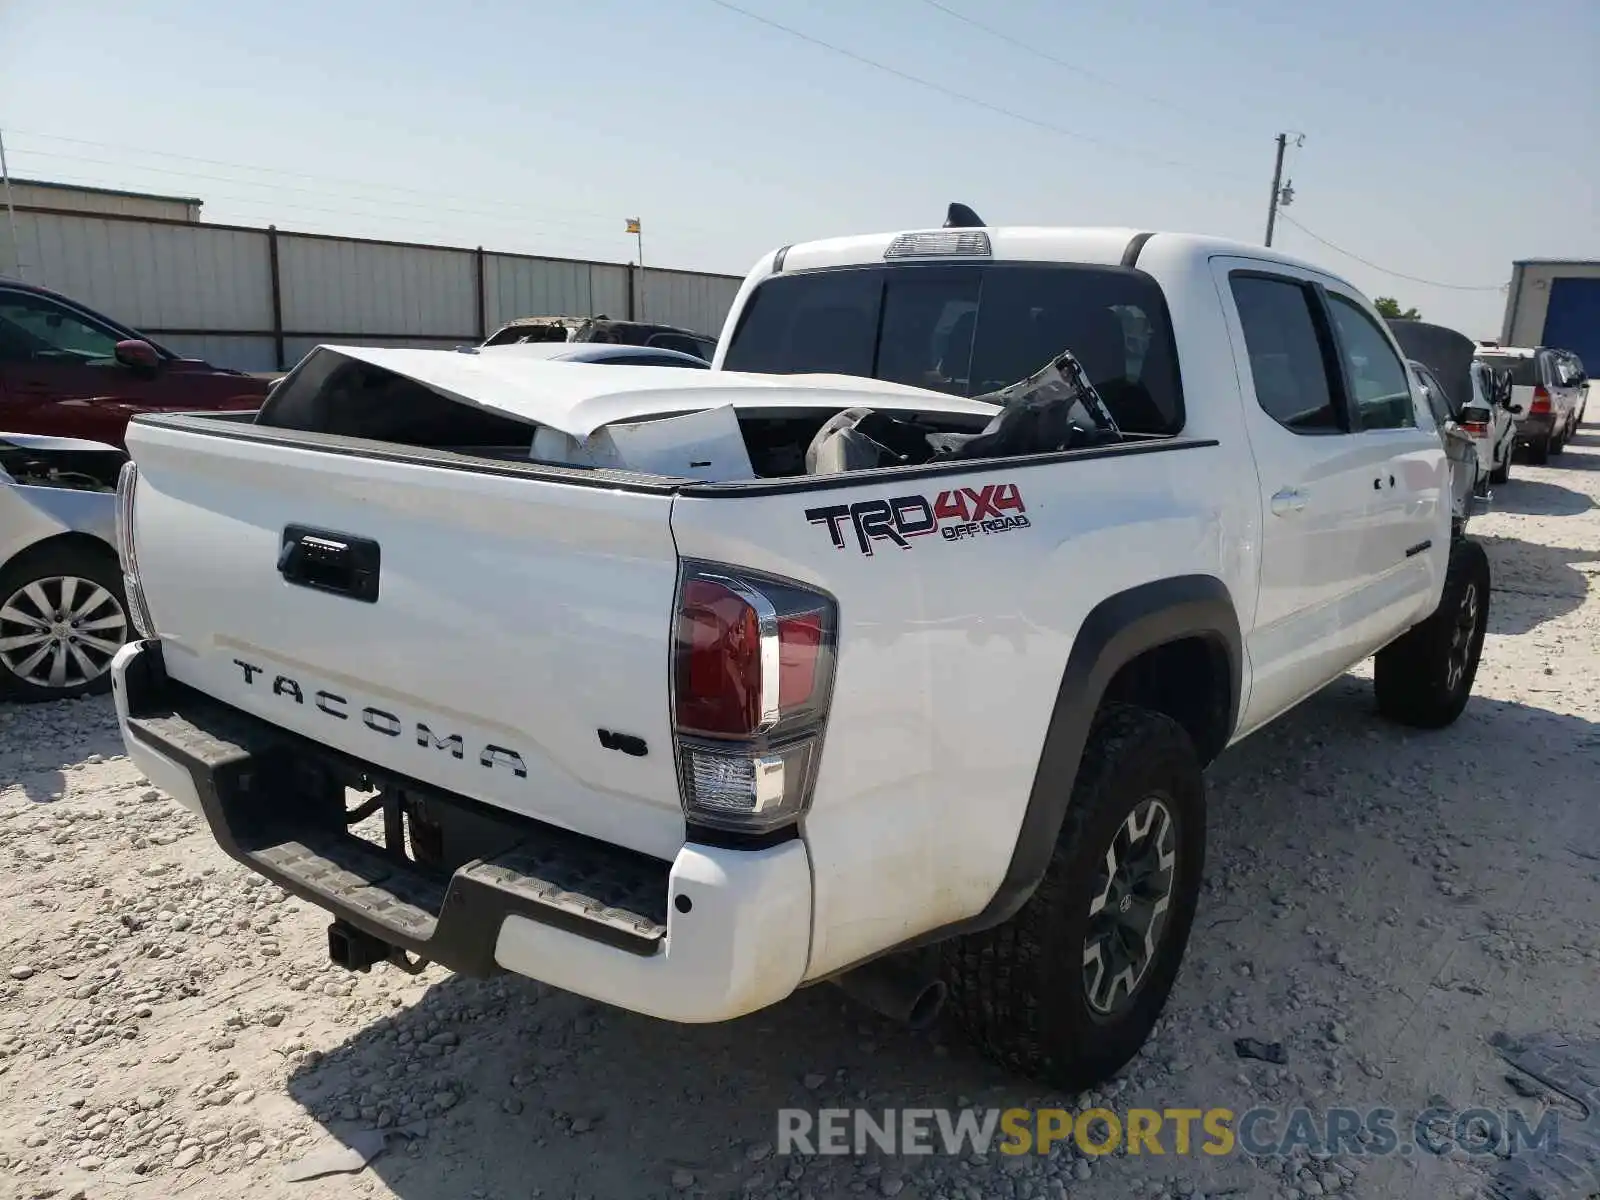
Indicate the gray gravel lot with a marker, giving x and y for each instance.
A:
(1380, 901)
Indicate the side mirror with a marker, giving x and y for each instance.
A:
(138, 354)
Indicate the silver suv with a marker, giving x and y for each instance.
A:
(1547, 394)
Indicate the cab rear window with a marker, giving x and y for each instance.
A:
(971, 329)
(1524, 368)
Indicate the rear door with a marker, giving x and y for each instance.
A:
(1409, 473)
(1315, 476)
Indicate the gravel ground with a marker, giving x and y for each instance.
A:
(1381, 902)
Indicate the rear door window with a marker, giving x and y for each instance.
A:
(1377, 378)
(1287, 365)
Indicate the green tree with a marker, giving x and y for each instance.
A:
(1389, 307)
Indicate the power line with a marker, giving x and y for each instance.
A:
(364, 184)
(1454, 287)
(428, 206)
(931, 85)
(515, 232)
(512, 216)
(273, 205)
(1121, 85)
(328, 181)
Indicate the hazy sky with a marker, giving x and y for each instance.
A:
(1444, 138)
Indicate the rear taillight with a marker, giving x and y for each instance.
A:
(1476, 428)
(127, 486)
(1541, 401)
(752, 675)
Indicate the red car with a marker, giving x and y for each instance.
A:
(66, 370)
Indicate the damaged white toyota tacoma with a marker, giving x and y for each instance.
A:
(888, 653)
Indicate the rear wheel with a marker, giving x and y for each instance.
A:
(1068, 989)
(62, 618)
(1425, 677)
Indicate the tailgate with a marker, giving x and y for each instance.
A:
(477, 631)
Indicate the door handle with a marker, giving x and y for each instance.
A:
(1286, 501)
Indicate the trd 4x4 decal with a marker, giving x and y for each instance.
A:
(955, 514)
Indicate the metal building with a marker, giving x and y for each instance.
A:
(1555, 302)
(259, 299)
(73, 197)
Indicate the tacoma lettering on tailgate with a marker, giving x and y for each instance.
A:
(954, 514)
(380, 721)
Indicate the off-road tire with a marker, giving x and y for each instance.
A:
(1413, 675)
(1019, 990)
(90, 563)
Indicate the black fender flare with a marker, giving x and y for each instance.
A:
(1116, 631)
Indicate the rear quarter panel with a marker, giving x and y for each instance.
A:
(951, 652)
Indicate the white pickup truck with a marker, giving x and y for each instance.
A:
(870, 680)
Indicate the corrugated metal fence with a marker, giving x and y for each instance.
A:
(259, 299)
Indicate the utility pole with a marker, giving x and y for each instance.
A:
(636, 227)
(1282, 193)
(11, 212)
(1277, 183)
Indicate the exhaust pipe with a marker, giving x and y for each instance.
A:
(904, 988)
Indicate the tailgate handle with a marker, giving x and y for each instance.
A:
(330, 562)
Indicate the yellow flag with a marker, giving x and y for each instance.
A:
(633, 224)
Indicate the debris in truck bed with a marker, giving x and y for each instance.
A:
(677, 425)
(1055, 408)
(576, 414)
(698, 445)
